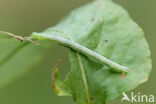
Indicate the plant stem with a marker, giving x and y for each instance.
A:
(83, 50)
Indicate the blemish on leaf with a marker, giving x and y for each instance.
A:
(101, 19)
(54, 69)
(106, 41)
(54, 72)
(55, 89)
(122, 76)
(53, 76)
(91, 99)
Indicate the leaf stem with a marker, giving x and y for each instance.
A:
(71, 44)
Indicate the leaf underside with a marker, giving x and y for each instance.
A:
(107, 29)
(17, 58)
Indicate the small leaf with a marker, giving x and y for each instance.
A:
(17, 57)
(58, 86)
(103, 40)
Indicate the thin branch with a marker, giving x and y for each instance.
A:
(20, 37)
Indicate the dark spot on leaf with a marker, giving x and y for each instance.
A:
(106, 41)
(21, 40)
(91, 99)
(54, 87)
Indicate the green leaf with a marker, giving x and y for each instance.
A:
(17, 58)
(103, 40)
(59, 87)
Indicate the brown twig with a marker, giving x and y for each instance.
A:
(20, 37)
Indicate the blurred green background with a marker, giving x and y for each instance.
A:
(25, 16)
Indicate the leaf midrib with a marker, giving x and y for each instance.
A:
(82, 71)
